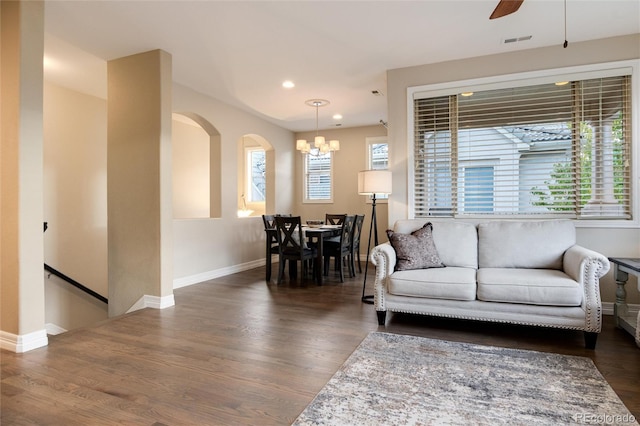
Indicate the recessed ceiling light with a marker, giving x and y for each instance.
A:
(561, 83)
(337, 116)
(466, 93)
(288, 84)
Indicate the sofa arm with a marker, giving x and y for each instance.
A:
(383, 258)
(587, 267)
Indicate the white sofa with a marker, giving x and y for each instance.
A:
(519, 272)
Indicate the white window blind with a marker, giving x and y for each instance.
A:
(317, 178)
(543, 150)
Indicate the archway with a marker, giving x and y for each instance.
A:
(196, 167)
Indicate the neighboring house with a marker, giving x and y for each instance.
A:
(529, 153)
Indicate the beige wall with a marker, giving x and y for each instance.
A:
(609, 241)
(139, 202)
(347, 162)
(75, 185)
(75, 204)
(206, 248)
(191, 170)
(75, 196)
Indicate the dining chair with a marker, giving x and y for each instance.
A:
(333, 219)
(271, 241)
(341, 250)
(355, 243)
(291, 247)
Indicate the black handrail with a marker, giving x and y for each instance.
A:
(76, 283)
(71, 280)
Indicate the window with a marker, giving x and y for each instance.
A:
(477, 194)
(378, 159)
(318, 172)
(255, 167)
(377, 153)
(546, 148)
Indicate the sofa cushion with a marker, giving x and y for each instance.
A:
(529, 244)
(415, 250)
(530, 286)
(438, 283)
(457, 242)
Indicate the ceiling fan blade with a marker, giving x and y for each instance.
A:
(505, 7)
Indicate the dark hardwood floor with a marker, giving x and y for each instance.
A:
(236, 350)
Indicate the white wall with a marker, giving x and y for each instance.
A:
(619, 241)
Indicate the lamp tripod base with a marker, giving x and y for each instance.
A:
(374, 225)
(368, 299)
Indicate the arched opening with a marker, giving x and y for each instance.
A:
(196, 161)
(256, 176)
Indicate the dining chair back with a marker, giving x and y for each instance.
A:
(355, 243)
(334, 219)
(342, 250)
(291, 246)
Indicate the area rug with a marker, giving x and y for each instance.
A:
(393, 379)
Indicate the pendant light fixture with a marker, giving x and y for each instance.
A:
(320, 145)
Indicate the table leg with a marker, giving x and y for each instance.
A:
(268, 259)
(319, 261)
(620, 308)
(638, 331)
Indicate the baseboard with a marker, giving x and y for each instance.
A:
(607, 308)
(154, 302)
(216, 273)
(54, 329)
(23, 343)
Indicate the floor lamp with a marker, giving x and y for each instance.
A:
(372, 182)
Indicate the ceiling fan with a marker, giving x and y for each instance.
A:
(506, 7)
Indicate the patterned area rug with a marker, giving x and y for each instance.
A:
(393, 379)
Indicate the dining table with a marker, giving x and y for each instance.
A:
(315, 235)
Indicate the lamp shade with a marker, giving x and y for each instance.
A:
(301, 144)
(374, 182)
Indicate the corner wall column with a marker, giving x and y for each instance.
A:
(139, 180)
(22, 318)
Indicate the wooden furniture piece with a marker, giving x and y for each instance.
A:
(340, 250)
(292, 247)
(271, 241)
(316, 238)
(622, 267)
(355, 243)
(334, 219)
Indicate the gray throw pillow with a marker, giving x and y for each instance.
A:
(416, 250)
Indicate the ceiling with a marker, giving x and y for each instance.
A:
(240, 52)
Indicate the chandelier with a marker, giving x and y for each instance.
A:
(320, 145)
